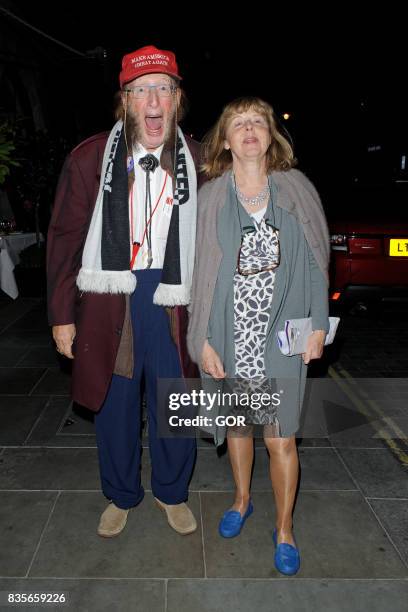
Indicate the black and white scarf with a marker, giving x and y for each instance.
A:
(106, 255)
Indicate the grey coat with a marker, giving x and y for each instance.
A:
(301, 281)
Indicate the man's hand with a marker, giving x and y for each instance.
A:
(211, 363)
(64, 336)
(314, 346)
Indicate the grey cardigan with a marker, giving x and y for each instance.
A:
(296, 195)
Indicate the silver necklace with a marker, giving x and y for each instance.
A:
(254, 200)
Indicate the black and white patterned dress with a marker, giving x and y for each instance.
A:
(252, 303)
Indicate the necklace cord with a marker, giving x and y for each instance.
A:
(137, 245)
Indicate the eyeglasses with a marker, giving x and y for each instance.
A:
(248, 261)
(164, 90)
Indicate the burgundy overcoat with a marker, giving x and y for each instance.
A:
(99, 318)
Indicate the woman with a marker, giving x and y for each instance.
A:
(262, 255)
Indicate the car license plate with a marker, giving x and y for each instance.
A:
(399, 247)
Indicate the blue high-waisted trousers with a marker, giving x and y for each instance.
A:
(118, 422)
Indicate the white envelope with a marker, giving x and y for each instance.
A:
(292, 340)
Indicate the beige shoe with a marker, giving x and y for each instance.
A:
(179, 516)
(113, 520)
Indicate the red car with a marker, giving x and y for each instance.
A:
(369, 242)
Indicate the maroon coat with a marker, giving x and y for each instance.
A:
(99, 318)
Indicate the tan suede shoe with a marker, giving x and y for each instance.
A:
(179, 516)
(112, 522)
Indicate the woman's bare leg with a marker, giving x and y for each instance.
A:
(284, 471)
(241, 454)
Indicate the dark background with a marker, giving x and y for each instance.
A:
(339, 74)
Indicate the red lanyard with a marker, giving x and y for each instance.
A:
(136, 245)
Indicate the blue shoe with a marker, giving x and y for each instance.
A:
(287, 558)
(232, 522)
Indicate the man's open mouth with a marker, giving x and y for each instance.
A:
(154, 123)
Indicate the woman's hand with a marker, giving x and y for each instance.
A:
(64, 336)
(211, 363)
(314, 346)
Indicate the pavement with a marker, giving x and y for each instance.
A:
(351, 512)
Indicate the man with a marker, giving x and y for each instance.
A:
(119, 264)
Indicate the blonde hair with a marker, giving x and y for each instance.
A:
(217, 159)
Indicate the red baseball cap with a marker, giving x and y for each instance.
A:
(145, 61)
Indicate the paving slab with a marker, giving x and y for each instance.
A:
(18, 416)
(337, 534)
(320, 467)
(23, 516)
(90, 595)
(147, 548)
(377, 471)
(292, 594)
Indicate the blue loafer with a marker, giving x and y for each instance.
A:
(287, 558)
(232, 522)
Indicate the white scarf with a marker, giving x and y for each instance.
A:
(108, 238)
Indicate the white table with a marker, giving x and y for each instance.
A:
(11, 246)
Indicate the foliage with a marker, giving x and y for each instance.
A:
(6, 150)
(32, 181)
